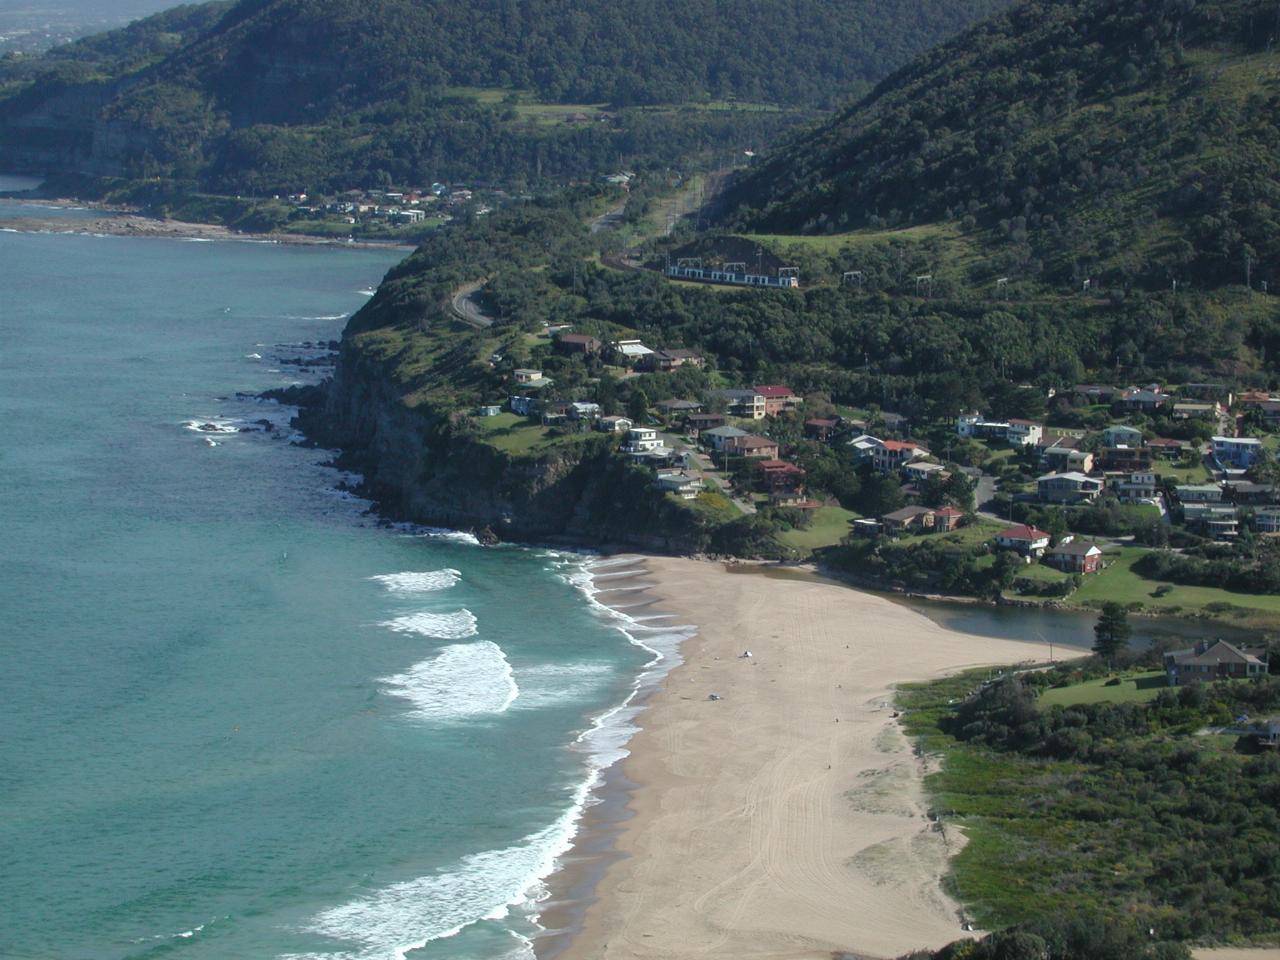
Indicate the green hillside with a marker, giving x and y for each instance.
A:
(291, 94)
(1133, 143)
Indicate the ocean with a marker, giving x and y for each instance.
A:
(239, 717)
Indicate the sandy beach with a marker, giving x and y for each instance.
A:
(787, 819)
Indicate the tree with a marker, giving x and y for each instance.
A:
(1112, 631)
(638, 406)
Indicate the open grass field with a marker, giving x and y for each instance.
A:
(1120, 583)
(511, 433)
(830, 526)
(1134, 688)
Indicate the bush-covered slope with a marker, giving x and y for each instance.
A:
(1133, 140)
(276, 93)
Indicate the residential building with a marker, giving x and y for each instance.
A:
(1212, 412)
(865, 446)
(1212, 392)
(583, 411)
(892, 455)
(777, 398)
(1121, 435)
(523, 405)
(1094, 393)
(1066, 456)
(629, 353)
(779, 476)
(1143, 399)
(696, 423)
(1217, 520)
(946, 519)
(1253, 398)
(1245, 492)
(1136, 488)
(1199, 493)
(686, 486)
(571, 343)
(754, 446)
(820, 429)
(672, 408)
(1166, 448)
(1214, 660)
(1125, 459)
(920, 471)
(1267, 520)
(718, 438)
(1073, 557)
(1026, 540)
(1270, 413)
(1023, 433)
(489, 410)
(666, 360)
(1238, 452)
(641, 440)
(895, 422)
(747, 404)
(1070, 487)
(1018, 433)
(614, 424)
(908, 518)
(525, 375)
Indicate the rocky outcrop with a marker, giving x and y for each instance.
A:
(421, 466)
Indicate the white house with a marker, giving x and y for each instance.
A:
(1069, 487)
(1267, 520)
(1028, 541)
(683, 485)
(1121, 435)
(1238, 452)
(1138, 487)
(641, 440)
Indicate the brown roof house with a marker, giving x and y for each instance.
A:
(1214, 660)
(1075, 557)
(908, 518)
(578, 343)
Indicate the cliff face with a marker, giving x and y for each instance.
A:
(420, 468)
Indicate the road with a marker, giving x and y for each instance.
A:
(465, 308)
(608, 220)
(701, 464)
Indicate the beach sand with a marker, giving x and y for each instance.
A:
(786, 820)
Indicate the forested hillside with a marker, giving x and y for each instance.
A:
(286, 94)
(1134, 142)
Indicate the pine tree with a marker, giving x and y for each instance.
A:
(1112, 631)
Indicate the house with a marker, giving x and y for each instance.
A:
(866, 527)
(946, 519)
(1068, 458)
(489, 410)
(629, 353)
(1214, 660)
(641, 440)
(665, 361)
(777, 398)
(672, 408)
(921, 470)
(1070, 487)
(753, 446)
(1238, 452)
(718, 438)
(779, 476)
(1267, 520)
(577, 343)
(523, 405)
(1121, 435)
(1075, 557)
(1142, 399)
(583, 411)
(1244, 492)
(1217, 520)
(1028, 541)
(696, 423)
(746, 404)
(556, 413)
(686, 486)
(1199, 493)
(1125, 459)
(1167, 449)
(865, 446)
(1270, 412)
(526, 375)
(1136, 488)
(1023, 433)
(1250, 399)
(1212, 412)
(891, 455)
(908, 518)
(820, 429)
(614, 424)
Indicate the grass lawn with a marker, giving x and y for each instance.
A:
(1042, 573)
(830, 525)
(1135, 688)
(1119, 582)
(511, 433)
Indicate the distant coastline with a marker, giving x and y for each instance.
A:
(130, 223)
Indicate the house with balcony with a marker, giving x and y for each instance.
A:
(777, 398)
(1136, 487)
(1239, 453)
(746, 404)
(1121, 435)
(892, 455)
(1069, 487)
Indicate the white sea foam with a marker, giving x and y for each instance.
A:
(426, 581)
(367, 292)
(462, 681)
(212, 425)
(444, 626)
(551, 684)
(253, 356)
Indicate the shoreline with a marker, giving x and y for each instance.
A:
(718, 880)
(121, 222)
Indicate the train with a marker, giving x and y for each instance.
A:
(785, 280)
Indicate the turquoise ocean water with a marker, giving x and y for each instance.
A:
(237, 717)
